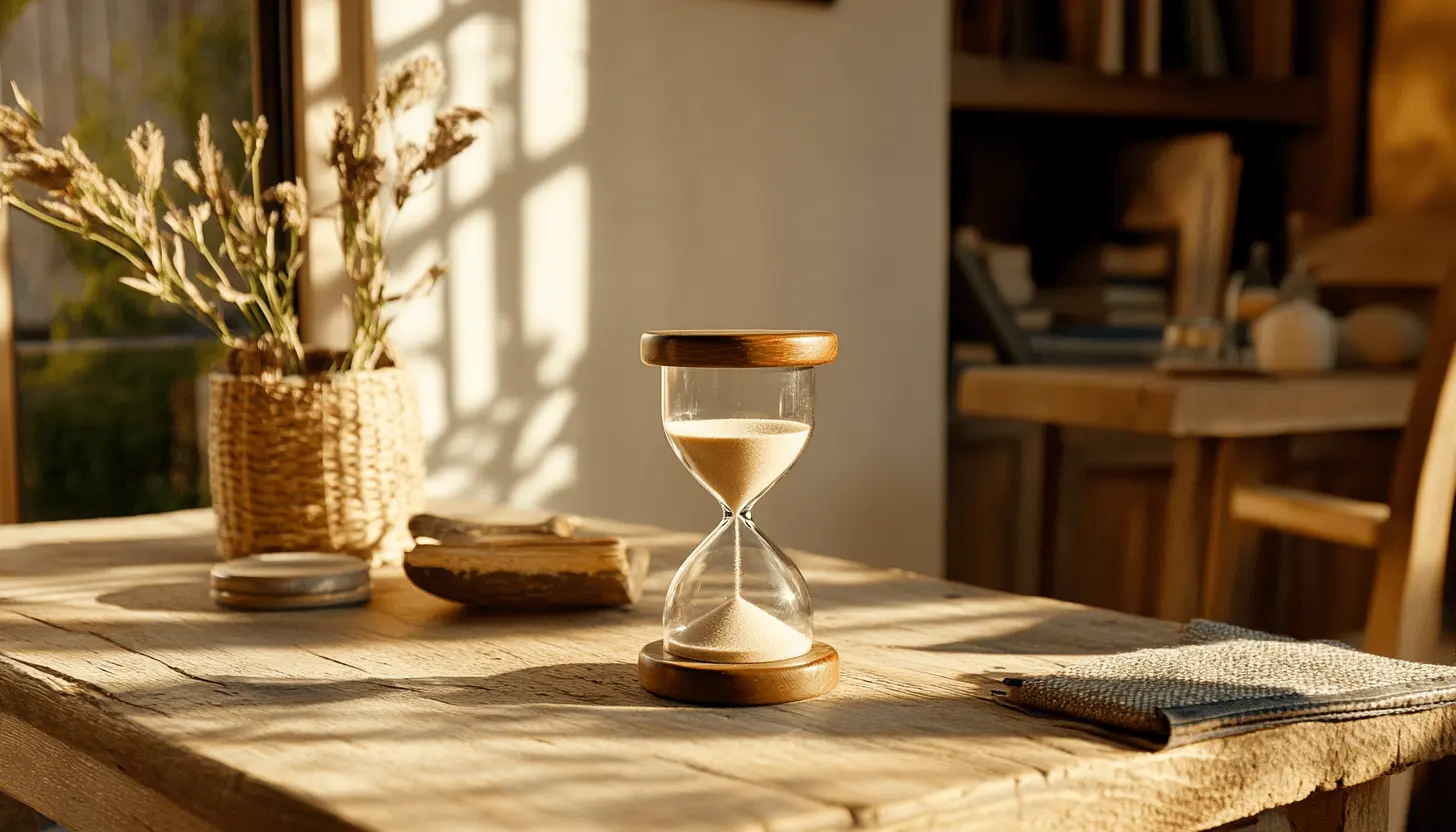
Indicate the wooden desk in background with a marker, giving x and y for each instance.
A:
(1225, 429)
(129, 702)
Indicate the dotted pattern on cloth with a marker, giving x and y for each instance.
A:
(1224, 679)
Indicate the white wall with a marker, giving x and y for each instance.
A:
(682, 164)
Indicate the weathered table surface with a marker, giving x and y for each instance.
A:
(129, 702)
(1143, 400)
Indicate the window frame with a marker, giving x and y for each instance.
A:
(274, 49)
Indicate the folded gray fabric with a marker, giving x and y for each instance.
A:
(1224, 680)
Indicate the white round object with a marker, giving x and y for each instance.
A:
(1297, 336)
(1382, 335)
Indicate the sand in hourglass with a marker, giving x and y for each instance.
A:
(737, 459)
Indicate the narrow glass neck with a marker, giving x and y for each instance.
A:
(745, 515)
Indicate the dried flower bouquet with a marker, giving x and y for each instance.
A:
(242, 248)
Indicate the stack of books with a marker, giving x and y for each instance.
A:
(1209, 38)
(1009, 267)
(1119, 286)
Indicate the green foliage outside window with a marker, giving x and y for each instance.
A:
(108, 432)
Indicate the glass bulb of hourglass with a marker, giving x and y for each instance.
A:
(738, 598)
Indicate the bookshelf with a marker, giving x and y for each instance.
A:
(1061, 111)
(981, 83)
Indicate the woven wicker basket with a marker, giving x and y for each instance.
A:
(329, 462)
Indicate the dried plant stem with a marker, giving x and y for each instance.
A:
(83, 233)
(236, 234)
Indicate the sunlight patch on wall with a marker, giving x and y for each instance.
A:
(496, 349)
(553, 74)
(542, 428)
(555, 472)
(555, 242)
(474, 374)
(469, 48)
(397, 23)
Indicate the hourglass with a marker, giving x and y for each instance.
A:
(738, 627)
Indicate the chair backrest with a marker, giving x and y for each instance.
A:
(1405, 604)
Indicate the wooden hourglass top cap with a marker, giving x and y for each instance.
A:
(739, 348)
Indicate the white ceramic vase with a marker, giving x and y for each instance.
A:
(1296, 336)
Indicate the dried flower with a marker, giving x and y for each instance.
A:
(242, 230)
(360, 170)
(454, 131)
(293, 197)
(407, 86)
(44, 167)
(184, 171)
(25, 106)
(147, 148)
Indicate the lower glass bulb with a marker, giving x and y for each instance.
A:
(738, 599)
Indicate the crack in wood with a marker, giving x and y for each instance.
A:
(331, 659)
(109, 640)
(90, 687)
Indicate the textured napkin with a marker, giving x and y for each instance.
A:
(1224, 680)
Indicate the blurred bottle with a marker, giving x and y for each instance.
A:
(1258, 292)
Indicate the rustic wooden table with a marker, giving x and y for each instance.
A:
(1226, 431)
(129, 702)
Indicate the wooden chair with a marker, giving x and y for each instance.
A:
(1408, 533)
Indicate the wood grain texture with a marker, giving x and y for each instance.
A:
(1310, 513)
(994, 482)
(1324, 163)
(1107, 499)
(739, 348)
(104, 798)
(1233, 547)
(1405, 603)
(1185, 530)
(1361, 808)
(409, 713)
(767, 683)
(1142, 400)
(993, 85)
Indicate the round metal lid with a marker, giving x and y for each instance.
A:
(739, 348)
(291, 573)
(250, 601)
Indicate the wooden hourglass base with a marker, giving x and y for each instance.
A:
(715, 683)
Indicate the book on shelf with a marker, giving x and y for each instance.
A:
(977, 306)
(972, 354)
(1089, 348)
(1206, 43)
(1131, 261)
(1085, 301)
(1111, 37)
(1148, 256)
(1150, 38)
(1264, 46)
(1034, 318)
(1188, 184)
(1077, 25)
(1008, 265)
